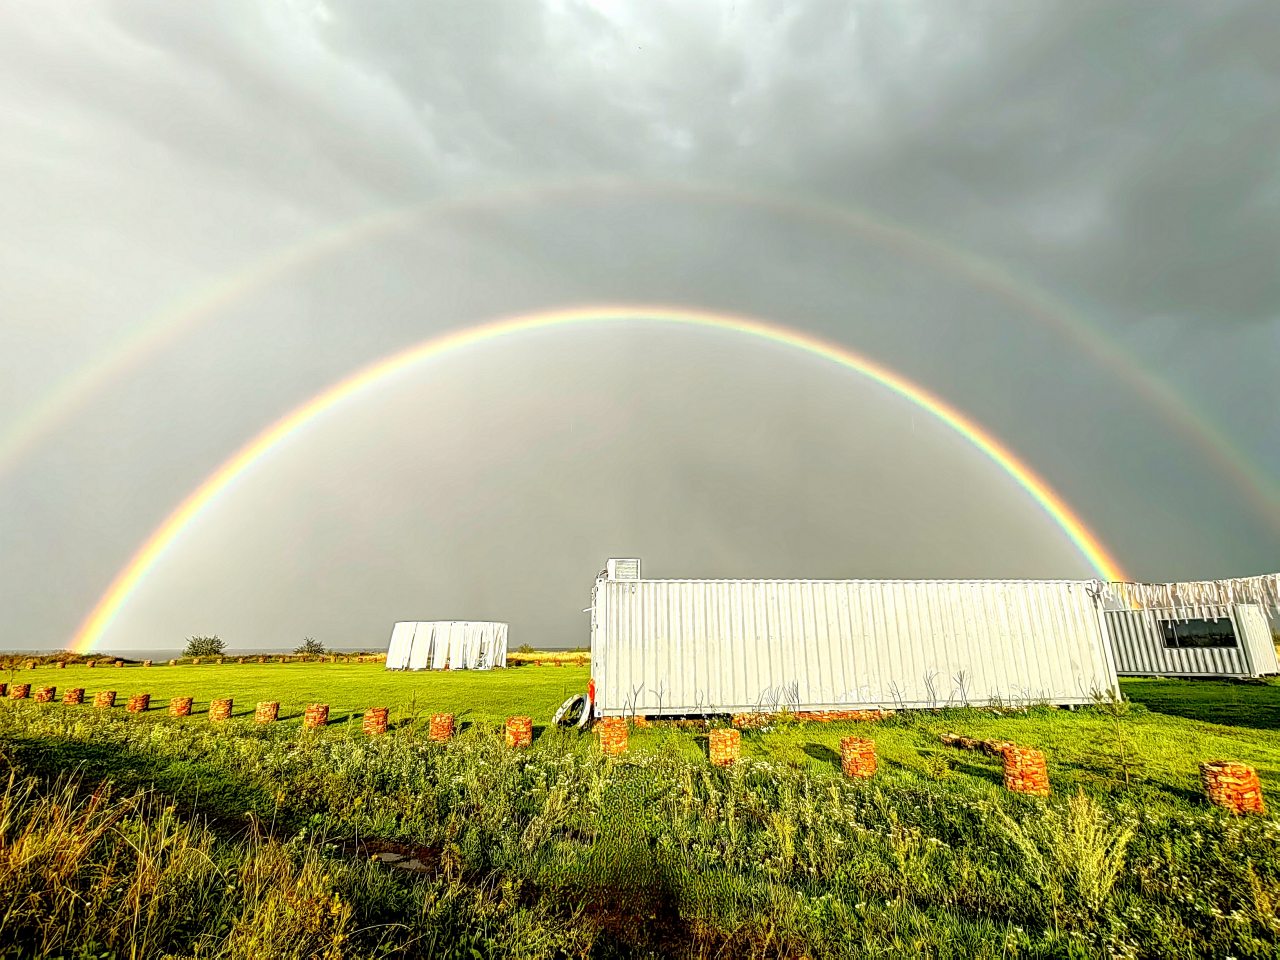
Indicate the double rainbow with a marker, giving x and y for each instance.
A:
(148, 555)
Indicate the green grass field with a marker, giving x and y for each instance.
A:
(348, 688)
(138, 836)
(1183, 721)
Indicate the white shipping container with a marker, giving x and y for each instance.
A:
(726, 646)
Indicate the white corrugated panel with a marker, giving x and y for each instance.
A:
(1255, 630)
(459, 644)
(420, 658)
(1137, 642)
(703, 646)
(399, 647)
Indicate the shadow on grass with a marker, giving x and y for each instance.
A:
(978, 772)
(1236, 703)
(194, 788)
(824, 754)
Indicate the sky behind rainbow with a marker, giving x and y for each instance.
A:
(146, 341)
(133, 574)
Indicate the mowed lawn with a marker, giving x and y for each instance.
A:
(348, 688)
(1174, 724)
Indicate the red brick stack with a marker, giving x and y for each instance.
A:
(146, 663)
(519, 731)
(46, 694)
(20, 691)
(139, 703)
(266, 712)
(104, 699)
(613, 735)
(61, 665)
(1232, 786)
(118, 663)
(73, 697)
(180, 707)
(317, 715)
(31, 664)
(441, 728)
(1025, 771)
(220, 710)
(375, 720)
(91, 664)
(725, 747)
(858, 757)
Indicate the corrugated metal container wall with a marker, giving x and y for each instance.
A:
(400, 645)
(1256, 631)
(710, 646)
(1138, 643)
(459, 644)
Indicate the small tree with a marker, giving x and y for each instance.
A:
(204, 647)
(310, 647)
(1112, 705)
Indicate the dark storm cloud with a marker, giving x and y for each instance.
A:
(1124, 157)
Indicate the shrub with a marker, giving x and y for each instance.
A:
(310, 646)
(205, 647)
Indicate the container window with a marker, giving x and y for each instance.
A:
(1198, 634)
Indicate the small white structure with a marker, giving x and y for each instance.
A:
(726, 646)
(447, 645)
(1210, 640)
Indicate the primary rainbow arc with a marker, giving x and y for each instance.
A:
(145, 558)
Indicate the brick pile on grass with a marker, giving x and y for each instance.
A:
(139, 703)
(724, 746)
(613, 734)
(180, 707)
(46, 694)
(519, 732)
(317, 715)
(441, 727)
(73, 697)
(1232, 786)
(104, 699)
(1025, 771)
(220, 709)
(375, 720)
(858, 757)
(268, 711)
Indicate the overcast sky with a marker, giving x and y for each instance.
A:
(1063, 219)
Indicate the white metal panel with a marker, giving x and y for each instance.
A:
(462, 644)
(440, 644)
(1255, 632)
(499, 656)
(400, 645)
(420, 658)
(697, 646)
(1137, 640)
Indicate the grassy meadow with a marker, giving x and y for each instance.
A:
(140, 836)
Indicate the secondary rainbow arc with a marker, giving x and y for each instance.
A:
(1258, 486)
(147, 556)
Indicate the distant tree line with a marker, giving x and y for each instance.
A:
(215, 646)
